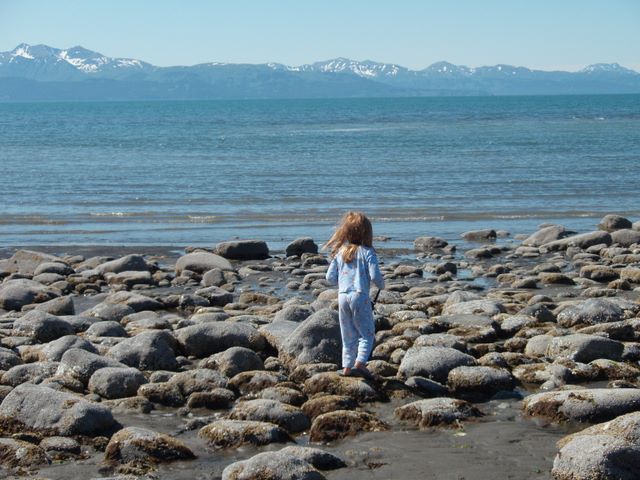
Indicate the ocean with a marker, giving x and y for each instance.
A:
(196, 173)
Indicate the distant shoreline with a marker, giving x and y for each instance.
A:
(294, 99)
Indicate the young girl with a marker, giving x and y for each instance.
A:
(354, 265)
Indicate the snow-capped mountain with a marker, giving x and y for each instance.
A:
(29, 61)
(598, 68)
(364, 69)
(448, 70)
(41, 72)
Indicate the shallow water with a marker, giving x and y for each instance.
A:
(181, 173)
(502, 444)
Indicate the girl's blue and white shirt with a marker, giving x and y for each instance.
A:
(357, 275)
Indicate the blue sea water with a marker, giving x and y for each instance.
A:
(195, 173)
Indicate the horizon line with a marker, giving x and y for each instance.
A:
(270, 63)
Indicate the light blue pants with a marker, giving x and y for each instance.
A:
(357, 327)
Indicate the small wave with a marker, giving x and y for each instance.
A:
(439, 218)
(31, 220)
(115, 214)
(118, 215)
(203, 218)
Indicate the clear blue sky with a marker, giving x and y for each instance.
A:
(545, 34)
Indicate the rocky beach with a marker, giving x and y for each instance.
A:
(507, 355)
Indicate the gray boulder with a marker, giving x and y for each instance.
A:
(127, 263)
(546, 235)
(316, 340)
(48, 278)
(263, 410)
(539, 311)
(485, 380)
(60, 448)
(234, 360)
(113, 382)
(201, 262)
(106, 329)
(56, 306)
(146, 320)
(137, 446)
(21, 455)
(80, 323)
(599, 273)
(480, 235)
(584, 348)
(597, 457)
(27, 261)
(216, 296)
(436, 411)
(131, 278)
(444, 267)
(333, 384)
(276, 333)
(29, 372)
(426, 387)
(272, 466)
(149, 350)
(216, 399)
(631, 274)
(236, 433)
(198, 380)
(588, 405)
(338, 424)
(537, 346)
(460, 296)
(429, 244)
(603, 451)
(54, 350)
(433, 362)
(626, 238)
(80, 364)
(591, 312)
(625, 427)
(8, 358)
(134, 301)
(440, 340)
(213, 278)
(243, 250)
(59, 268)
(42, 409)
(583, 241)
(41, 326)
(109, 311)
(300, 246)
(513, 324)
(207, 338)
(293, 313)
(538, 373)
(474, 307)
(164, 393)
(320, 459)
(611, 223)
(15, 294)
(327, 403)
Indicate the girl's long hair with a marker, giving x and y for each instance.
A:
(354, 230)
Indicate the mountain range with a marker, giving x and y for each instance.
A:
(43, 73)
